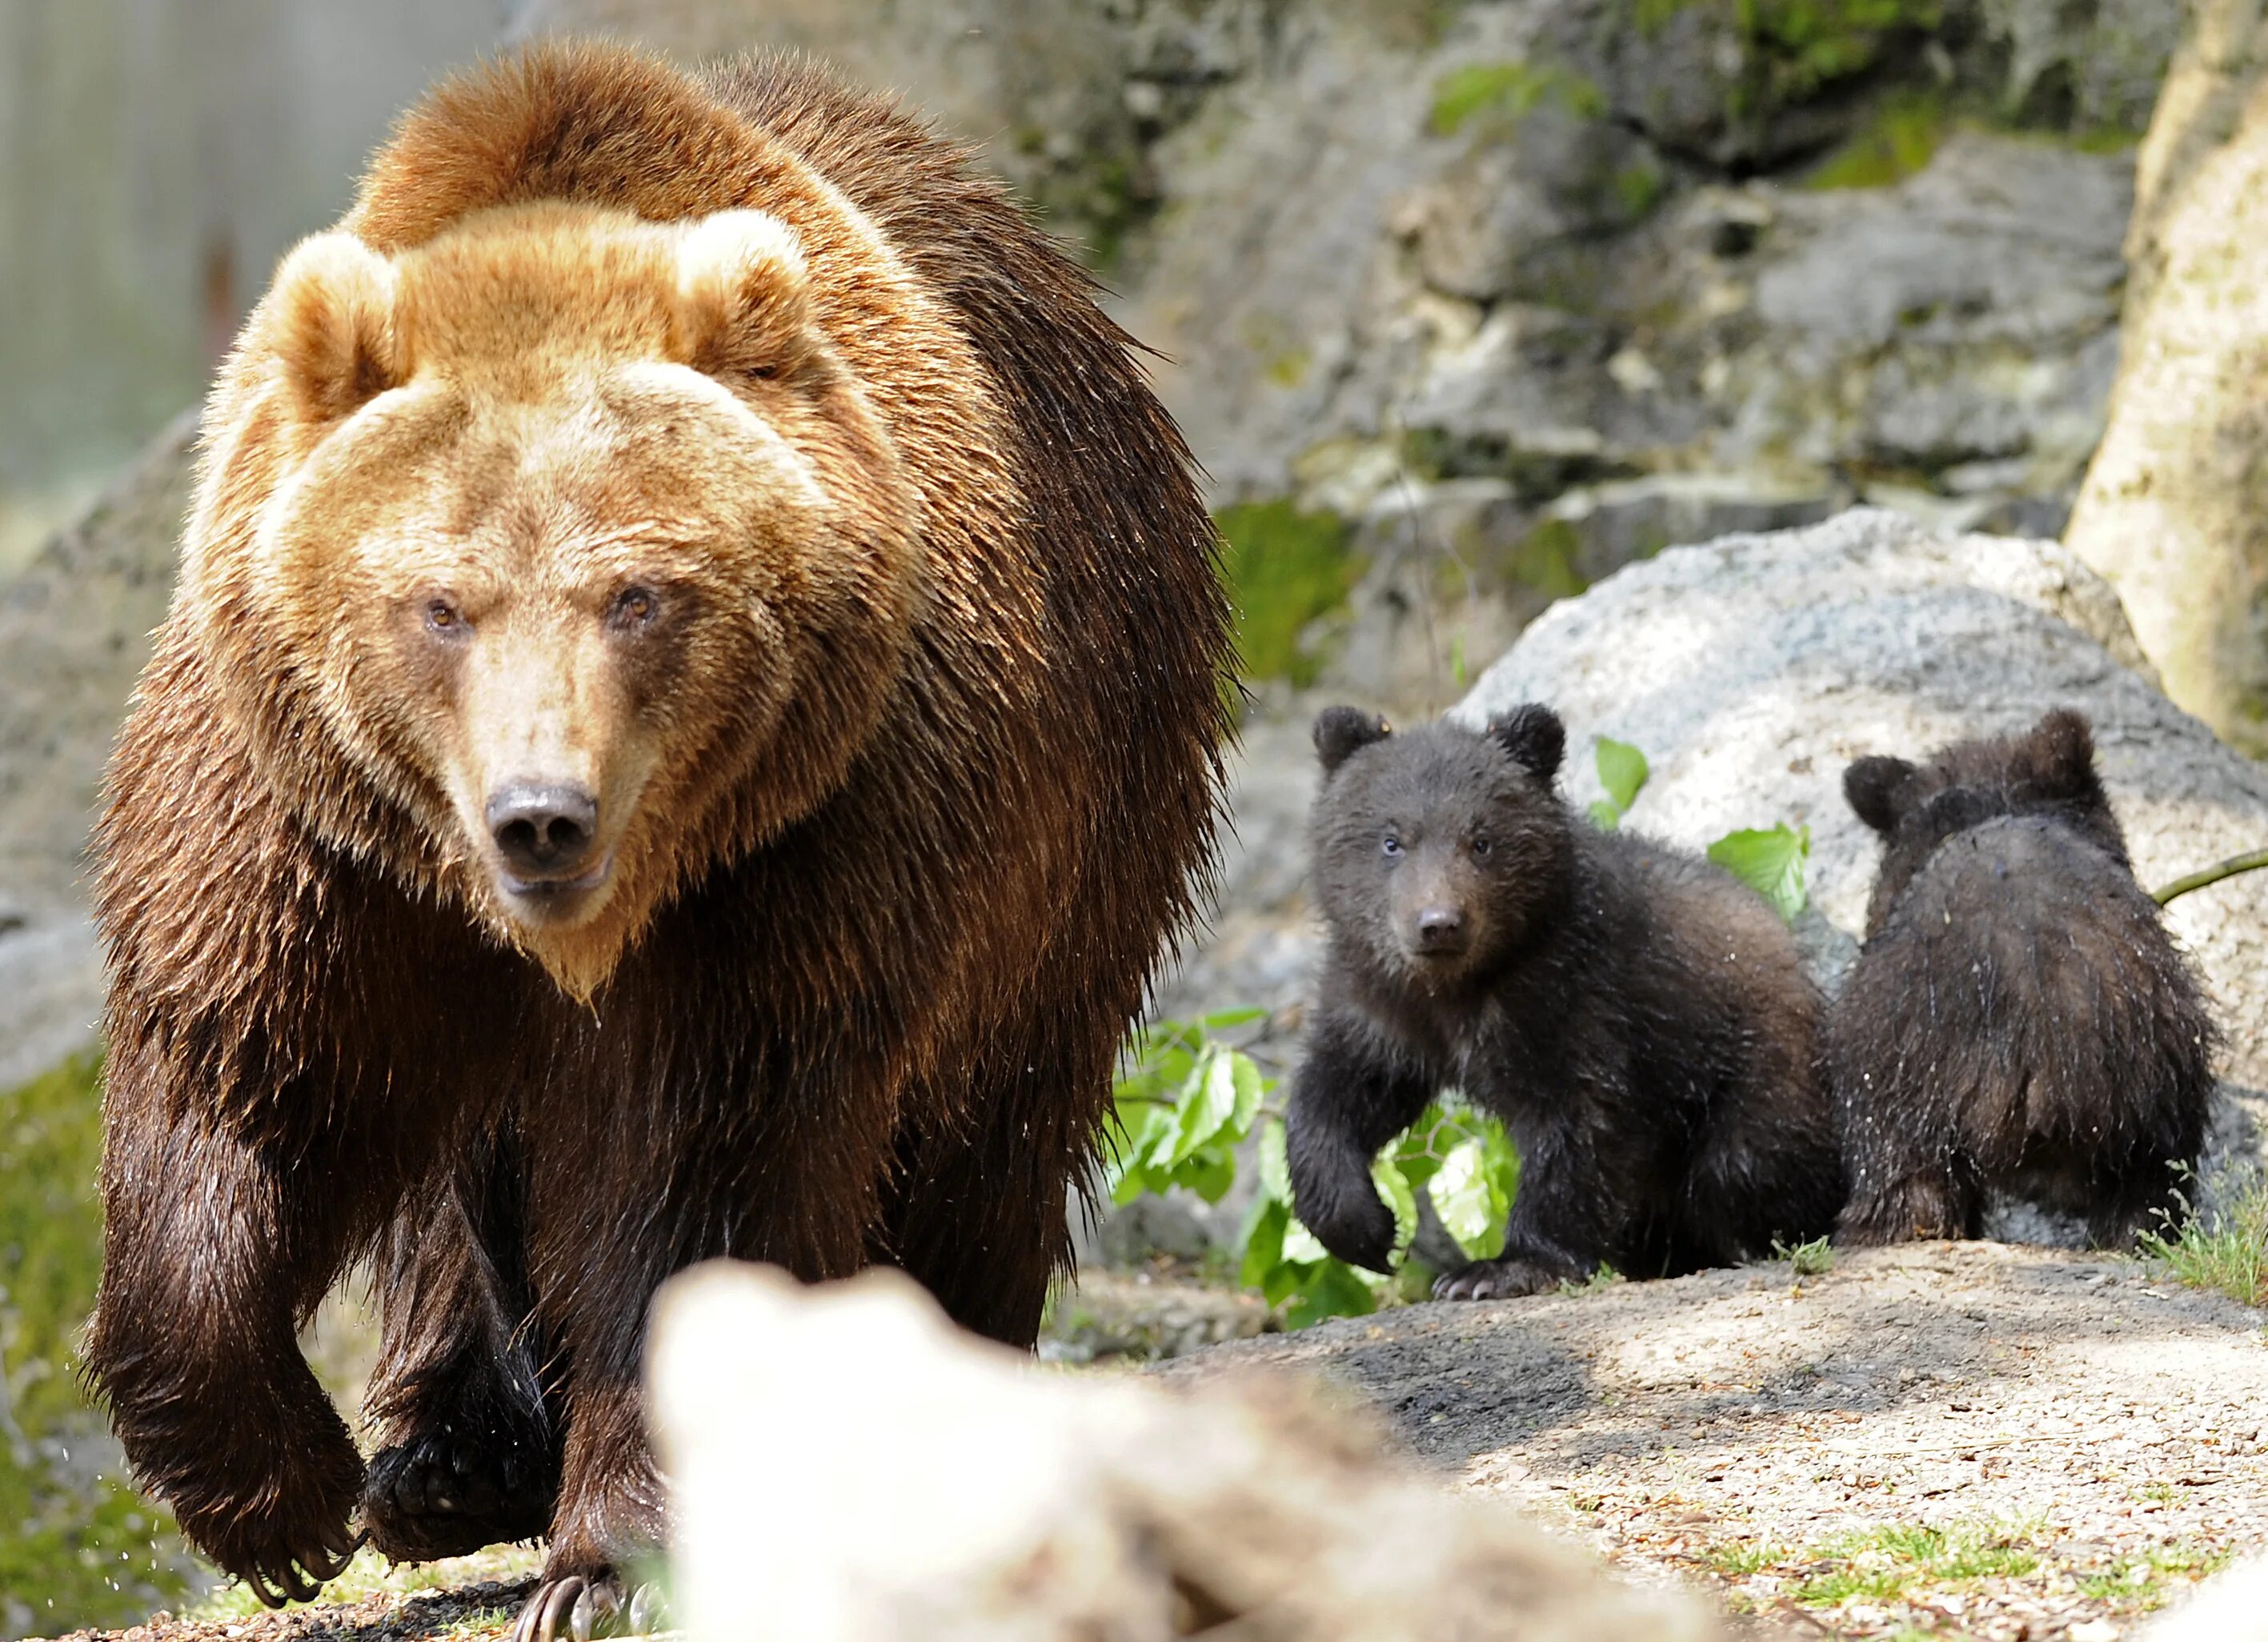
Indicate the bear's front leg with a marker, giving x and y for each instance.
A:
(1354, 1091)
(1566, 1216)
(212, 1251)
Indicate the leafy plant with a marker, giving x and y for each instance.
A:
(1771, 861)
(1622, 772)
(1813, 1259)
(1192, 1103)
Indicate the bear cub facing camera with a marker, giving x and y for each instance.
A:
(1636, 1018)
(2018, 1019)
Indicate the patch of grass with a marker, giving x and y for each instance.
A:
(1896, 1560)
(72, 1553)
(2227, 1250)
(371, 1574)
(2139, 1584)
(1737, 1559)
(1284, 567)
(1900, 140)
(1605, 1278)
(1504, 93)
(1807, 1260)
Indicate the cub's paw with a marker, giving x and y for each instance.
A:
(1499, 1280)
(442, 1494)
(575, 1608)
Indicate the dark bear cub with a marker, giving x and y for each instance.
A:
(1636, 1018)
(2018, 1019)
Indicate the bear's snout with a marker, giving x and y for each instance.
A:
(1440, 930)
(544, 833)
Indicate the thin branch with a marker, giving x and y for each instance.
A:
(2250, 861)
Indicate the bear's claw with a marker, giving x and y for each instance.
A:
(441, 1496)
(1498, 1279)
(575, 1608)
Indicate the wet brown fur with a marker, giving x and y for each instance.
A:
(857, 1003)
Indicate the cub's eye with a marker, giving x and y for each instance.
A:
(443, 618)
(634, 609)
(763, 373)
(1390, 846)
(1483, 843)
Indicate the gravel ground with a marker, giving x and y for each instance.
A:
(1969, 1440)
(1966, 1439)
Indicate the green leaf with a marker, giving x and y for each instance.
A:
(1335, 1289)
(1275, 1167)
(1393, 1186)
(1251, 1088)
(1223, 1019)
(1463, 1196)
(1604, 814)
(1622, 771)
(1302, 1247)
(1770, 862)
(1264, 1242)
(1210, 1174)
(1208, 1102)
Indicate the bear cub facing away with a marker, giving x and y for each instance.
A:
(2018, 1019)
(1638, 1019)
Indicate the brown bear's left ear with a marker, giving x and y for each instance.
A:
(1873, 787)
(743, 301)
(1342, 731)
(331, 323)
(2057, 757)
(1533, 734)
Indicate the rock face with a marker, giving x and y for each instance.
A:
(2172, 511)
(823, 1444)
(74, 631)
(1521, 291)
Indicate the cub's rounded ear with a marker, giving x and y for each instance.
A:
(2057, 756)
(1873, 786)
(331, 323)
(743, 297)
(1340, 731)
(1533, 734)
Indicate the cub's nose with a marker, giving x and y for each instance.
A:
(543, 831)
(1441, 929)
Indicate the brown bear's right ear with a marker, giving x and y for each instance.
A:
(2057, 756)
(333, 326)
(1872, 784)
(1340, 731)
(743, 297)
(1533, 734)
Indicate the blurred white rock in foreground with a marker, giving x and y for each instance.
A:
(2231, 1608)
(849, 1468)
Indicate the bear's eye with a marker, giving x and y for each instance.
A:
(633, 610)
(443, 617)
(1390, 846)
(1483, 843)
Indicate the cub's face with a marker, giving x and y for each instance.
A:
(577, 543)
(1436, 851)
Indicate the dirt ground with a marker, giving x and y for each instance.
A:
(1972, 1439)
(1963, 1439)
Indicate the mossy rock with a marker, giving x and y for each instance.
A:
(75, 1550)
(1284, 567)
(1494, 97)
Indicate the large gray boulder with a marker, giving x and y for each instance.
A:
(1751, 671)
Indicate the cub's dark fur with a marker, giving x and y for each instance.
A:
(1636, 1018)
(2019, 1018)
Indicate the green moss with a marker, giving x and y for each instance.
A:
(75, 1553)
(1639, 185)
(1504, 93)
(1793, 48)
(1284, 567)
(1901, 139)
(1544, 559)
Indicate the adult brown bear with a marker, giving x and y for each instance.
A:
(693, 706)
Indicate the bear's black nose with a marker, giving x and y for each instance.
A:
(1441, 930)
(543, 832)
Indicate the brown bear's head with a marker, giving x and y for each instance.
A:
(2047, 771)
(553, 560)
(1438, 852)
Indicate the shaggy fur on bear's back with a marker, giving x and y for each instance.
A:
(2018, 1019)
(1638, 1019)
(730, 442)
